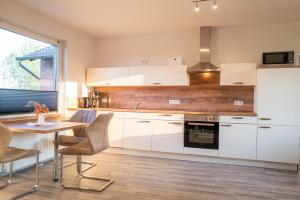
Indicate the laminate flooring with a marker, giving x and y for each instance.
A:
(144, 178)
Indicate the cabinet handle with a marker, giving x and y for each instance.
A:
(237, 117)
(200, 124)
(175, 123)
(238, 83)
(143, 121)
(264, 127)
(166, 115)
(264, 118)
(226, 125)
(156, 83)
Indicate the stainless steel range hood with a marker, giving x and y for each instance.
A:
(205, 65)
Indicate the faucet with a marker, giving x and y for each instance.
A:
(137, 105)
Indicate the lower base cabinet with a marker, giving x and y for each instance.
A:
(238, 141)
(167, 136)
(137, 134)
(115, 132)
(278, 144)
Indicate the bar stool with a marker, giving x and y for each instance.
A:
(84, 116)
(11, 154)
(96, 141)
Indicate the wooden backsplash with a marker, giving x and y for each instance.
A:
(204, 94)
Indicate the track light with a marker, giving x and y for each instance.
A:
(197, 2)
(197, 7)
(215, 5)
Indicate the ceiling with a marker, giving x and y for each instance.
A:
(108, 18)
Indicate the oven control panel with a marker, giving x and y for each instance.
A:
(202, 118)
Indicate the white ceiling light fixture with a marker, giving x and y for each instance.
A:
(197, 2)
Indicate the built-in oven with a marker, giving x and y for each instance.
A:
(201, 131)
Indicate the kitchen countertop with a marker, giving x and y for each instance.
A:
(170, 111)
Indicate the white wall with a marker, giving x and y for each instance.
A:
(229, 44)
(80, 46)
(246, 43)
(155, 48)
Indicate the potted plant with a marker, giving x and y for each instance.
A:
(40, 110)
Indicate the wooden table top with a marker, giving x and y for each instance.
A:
(24, 127)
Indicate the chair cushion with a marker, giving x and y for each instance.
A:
(65, 140)
(13, 154)
(83, 148)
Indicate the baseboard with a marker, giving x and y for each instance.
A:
(208, 159)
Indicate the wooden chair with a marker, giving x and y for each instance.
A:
(11, 154)
(85, 116)
(96, 141)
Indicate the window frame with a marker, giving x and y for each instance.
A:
(60, 57)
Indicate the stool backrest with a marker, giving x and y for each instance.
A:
(84, 116)
(5, 138)
(97, 132)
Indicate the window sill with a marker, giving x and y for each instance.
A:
(25, 117)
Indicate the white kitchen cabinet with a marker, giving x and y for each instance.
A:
(238, 119)
(137, 134)
(115, 132)
(113, 76)
(167, 136)
(158, 76)
(237, 141)
(278, 96)
(238, 74)
(278, 144)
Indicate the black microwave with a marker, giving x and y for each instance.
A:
(285, 57)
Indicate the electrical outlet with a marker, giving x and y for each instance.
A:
(105, 100)
(238, 103)
(174, 101)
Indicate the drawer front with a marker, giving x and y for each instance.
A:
(137, 115)
(238, 119)
(173, 117)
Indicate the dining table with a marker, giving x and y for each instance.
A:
(51, 127)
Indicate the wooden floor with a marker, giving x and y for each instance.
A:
(144, 178)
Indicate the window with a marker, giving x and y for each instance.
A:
(28, 71)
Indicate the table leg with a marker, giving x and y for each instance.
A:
(55, 160)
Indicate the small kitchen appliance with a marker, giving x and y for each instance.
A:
(96, 99)
(282, 58)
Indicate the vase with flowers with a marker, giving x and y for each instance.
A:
(40, 110)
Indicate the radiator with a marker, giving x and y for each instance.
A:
(42, 142)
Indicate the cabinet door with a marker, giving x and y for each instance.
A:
(238, 74)
(238, 141)
(158, 75)
(115, 132)
(278, 144)
(115, 76)
(137, 134)
(167, 136)
(278, 93)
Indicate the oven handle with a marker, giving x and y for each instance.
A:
(200, 124)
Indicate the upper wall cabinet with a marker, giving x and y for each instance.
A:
(159, 76)
(114, 76)
(238, 74)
